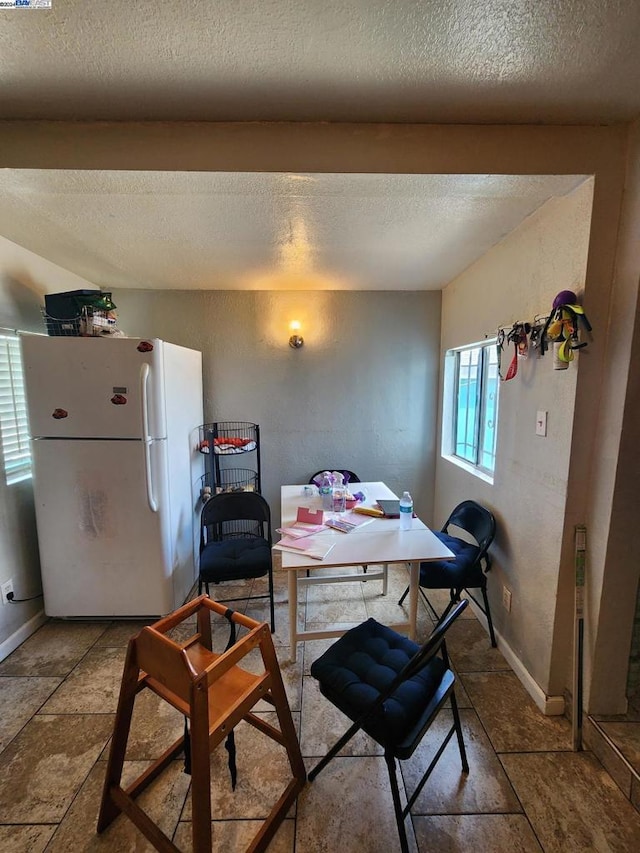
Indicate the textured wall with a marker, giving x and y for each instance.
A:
(360, 394)
(518, 279)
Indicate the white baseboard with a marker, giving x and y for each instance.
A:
(24, 631)
(551, 706)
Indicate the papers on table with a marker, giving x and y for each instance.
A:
(298, 530)
(299, 536)
(348, 522)
(315, 548)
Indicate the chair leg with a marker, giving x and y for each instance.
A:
(397, 805)
(426, 601)
(488, 615)
(271, 604)
(456, 721)
(430, 606)
(335, 749)
(108, 809)
(200, 772)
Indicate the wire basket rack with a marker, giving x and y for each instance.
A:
(228, 437)
(229, 480)
(90, 322)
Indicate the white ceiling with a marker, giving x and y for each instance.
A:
(461, 61)
(188, 230)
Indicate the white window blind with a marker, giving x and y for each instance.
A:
(14, 428)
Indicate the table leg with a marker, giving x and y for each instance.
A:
(293, 614)
(414, 585)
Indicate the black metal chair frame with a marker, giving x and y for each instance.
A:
(435, 644)
(483, 559)
(240, 512)
(353, 478)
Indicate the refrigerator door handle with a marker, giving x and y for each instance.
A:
(146, 438)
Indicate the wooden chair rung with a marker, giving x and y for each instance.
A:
(142, 820)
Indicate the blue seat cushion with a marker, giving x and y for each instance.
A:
(362, 664)
(233, 559)
(462, 572)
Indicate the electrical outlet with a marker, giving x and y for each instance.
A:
(6, 588)
(506, 599)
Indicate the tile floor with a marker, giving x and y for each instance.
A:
(526, 791)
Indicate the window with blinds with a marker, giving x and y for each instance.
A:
(470, 407)
(14, 428)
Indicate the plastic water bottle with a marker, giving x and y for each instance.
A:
(325, 491)
(406, 511)
(339, 498)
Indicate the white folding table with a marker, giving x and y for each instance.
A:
(380, 541)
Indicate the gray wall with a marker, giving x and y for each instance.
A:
(360, 394)
(519, 279)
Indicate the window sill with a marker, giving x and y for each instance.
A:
(469, 468)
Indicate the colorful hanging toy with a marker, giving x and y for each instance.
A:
(518, 337)
(562, 325)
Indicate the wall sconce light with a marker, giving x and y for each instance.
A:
(296, 340)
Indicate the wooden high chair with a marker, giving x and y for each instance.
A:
(214, 694)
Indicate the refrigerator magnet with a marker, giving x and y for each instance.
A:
(58, 414)
(145, 346)
(118, 400)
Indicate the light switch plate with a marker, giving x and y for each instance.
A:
(541, 423)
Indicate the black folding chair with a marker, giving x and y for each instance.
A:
(393, 689)
(472, 560)
(235, 541)
(349, 476)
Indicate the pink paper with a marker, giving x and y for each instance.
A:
(297, 544)
(311, 516)
(300, 529)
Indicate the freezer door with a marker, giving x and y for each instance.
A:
(104, 551)
(94, 387)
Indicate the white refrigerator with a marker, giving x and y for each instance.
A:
(116, 472)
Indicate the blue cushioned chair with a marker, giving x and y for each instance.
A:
(468, 570)
(393, 689)
(235, 541)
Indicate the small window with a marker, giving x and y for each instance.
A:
(14, 427)
(471, 405)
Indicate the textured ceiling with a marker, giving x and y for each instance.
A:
(464, 61)
(435, 61)
(186, 230)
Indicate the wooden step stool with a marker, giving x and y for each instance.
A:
(214, 694)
